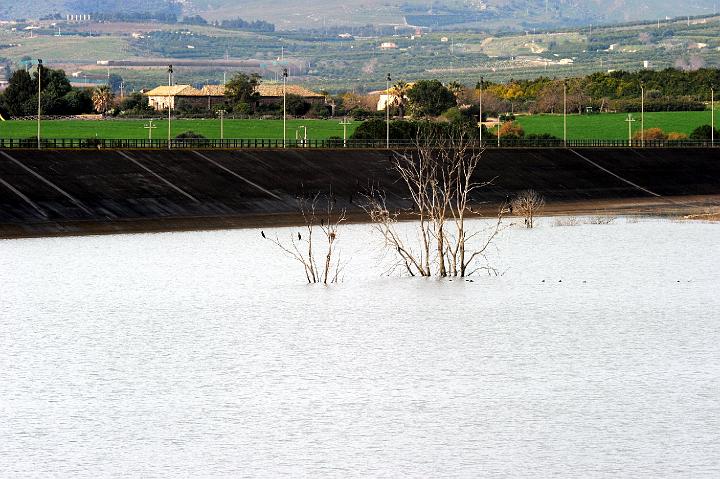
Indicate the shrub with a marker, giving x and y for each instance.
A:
(511, 129)
(703, 133)
(674, 135)
(651, 134)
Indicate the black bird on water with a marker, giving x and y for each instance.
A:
(263, 234)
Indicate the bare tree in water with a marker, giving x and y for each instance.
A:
(438, 174)
(317, 255)
(528, 204)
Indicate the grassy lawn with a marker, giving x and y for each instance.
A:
(210, 128)
(608, 126)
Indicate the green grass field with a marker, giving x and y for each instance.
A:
(609, 126)
(210, 128)
(604, 126)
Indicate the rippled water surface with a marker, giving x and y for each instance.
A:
(595, 354)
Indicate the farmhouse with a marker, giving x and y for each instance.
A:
(212, 96)
(272, 93)
(163, 97)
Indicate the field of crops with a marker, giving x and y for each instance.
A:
(610, 126)
(209, 128)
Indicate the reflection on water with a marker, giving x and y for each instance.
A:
(595, 354)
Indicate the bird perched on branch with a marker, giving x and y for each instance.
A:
(299, 237)
(263, 234)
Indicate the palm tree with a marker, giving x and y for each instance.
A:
(398, 96)
(456, 89)
(101, 98)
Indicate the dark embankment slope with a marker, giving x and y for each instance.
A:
(69, 192)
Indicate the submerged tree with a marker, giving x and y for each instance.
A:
(527, 204)
(320, 265)
(438, 174)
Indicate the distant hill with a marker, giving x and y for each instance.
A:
(14, 9)
(291, 14)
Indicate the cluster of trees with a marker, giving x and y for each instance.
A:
(242, 96)
(665, 90)
(240, 24)
(58, 97)
(232, 24)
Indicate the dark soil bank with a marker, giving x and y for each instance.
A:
(73, 192)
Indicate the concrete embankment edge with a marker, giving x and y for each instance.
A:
(51, 192)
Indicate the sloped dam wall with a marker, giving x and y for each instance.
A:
(83, 191)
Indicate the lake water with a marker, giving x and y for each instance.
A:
(595, 354)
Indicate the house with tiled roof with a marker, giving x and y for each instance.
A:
(211, 96)
(163, 96)
(273, 92)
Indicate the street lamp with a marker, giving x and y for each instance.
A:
(222, 126)
(345, 124)
(39, 73)
(480, 114)
(712, 115)
(387, 111)
(565, 113)
(285, 75)
(170, 73)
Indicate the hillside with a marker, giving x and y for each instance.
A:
(450, 14)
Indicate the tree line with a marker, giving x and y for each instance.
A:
(58, 97)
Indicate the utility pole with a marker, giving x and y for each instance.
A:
(222, 128)
(387, 111)
(304, 137)
(170, 73)
(565, 113)
(345, 124)
(39, 73)
(642, 115)
(150, 127)
(712, 115)
(285, 75)
(630, 121)
(480, 124)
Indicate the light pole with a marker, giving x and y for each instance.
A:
(387, 112)
(642, 115)
(345, 124)
(565, 113)
(285, 75)
(712, 115)
(222, 126)
(39, 73)
(630, 121)
(170, 73)
(150, 127)
(480, 113)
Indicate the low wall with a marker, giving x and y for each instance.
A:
(46, 191)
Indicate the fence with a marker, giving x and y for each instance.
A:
(272, 143)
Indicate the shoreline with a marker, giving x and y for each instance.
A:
(699, 207)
